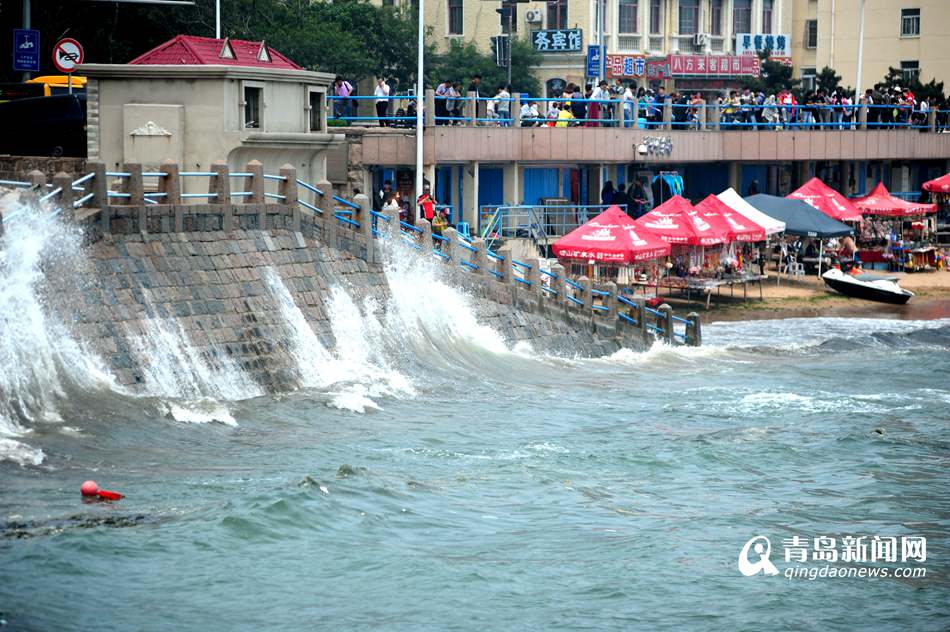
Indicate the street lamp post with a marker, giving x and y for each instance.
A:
(419, 100)
(857, 80)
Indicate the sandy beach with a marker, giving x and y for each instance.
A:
(793, 298)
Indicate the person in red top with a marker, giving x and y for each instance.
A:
(427, 203)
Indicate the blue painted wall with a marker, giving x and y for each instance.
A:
(540, 183)
(491, 186)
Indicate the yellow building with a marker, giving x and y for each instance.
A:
(908, 34)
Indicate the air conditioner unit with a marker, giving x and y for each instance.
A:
(533, 16)
(699, 39)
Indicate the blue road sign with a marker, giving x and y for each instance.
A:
(594, 60)
(26, 50)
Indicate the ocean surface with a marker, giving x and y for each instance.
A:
(436, 479)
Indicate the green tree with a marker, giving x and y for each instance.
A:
(463, 60)
(932, 89)
(827, 80)
(773, 77)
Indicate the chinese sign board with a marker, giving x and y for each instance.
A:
(634, 66)
(557, 41)
(714, 65)
(26, 50)
(753, 43)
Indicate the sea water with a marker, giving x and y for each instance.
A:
(438, 479)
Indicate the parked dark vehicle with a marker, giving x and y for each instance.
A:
(44, 126)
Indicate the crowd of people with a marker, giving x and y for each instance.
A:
(614, 103)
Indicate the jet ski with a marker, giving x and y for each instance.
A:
(853, 281)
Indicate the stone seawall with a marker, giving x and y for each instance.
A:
(222, 276)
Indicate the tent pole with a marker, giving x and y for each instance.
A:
(821, 257)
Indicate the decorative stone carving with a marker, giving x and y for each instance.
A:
(150, 129)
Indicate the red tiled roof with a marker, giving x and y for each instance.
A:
(191, 50)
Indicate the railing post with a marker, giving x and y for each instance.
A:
(620, 117)
(425, 235)
(932, 121)
(587, 295)
(701, 114)
(37, 180)
(667, 114)
(694, 333)
(557, 282)
(507, 268)
(714, 116)
(134, 185)
(219, 185)
(100, 195)
(533, 275)
(448, 246)
(255, 184)
(170, 185)
(331, 225)
(288, 188)
(515, 110)
(665, 322)
(64, 181)
(610, 302)
(479, 257)
(863, 114)
(365, 218)
(641, 314)
(429, 111)
(392, 226)
(473, 107)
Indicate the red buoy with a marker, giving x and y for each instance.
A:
(90, 489)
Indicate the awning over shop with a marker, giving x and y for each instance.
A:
(610, 238)
(676, 221)
(712, 209)
(800, 218)
(827, 200)
(736, 202)
(881, 202)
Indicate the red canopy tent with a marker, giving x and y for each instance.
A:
(610, 238)
(881, 202)
(826, 200)
(676, 221)
(938, 185)
(738, 227)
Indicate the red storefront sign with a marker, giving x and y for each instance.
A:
(636, 66)
(713, 65)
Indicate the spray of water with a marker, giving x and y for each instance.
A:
(40, 359)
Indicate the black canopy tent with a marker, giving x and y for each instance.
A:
(800, 219)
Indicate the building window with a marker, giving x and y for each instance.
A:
(767, 16)
(689, 17)
(715, 17)
(808, 78)
(455, 17)
(811, 33)
(253, 106)
(910, 70)
(627, 11)
(655, 15)
(741, 16)
(315, 104)
(910, 22)
(557, 14)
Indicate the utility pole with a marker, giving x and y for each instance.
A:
(600, 40)
(511, 9)
(26, 25)
(217, 18)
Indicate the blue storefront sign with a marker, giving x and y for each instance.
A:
(557, 41)
(26, 50)
(595, 59)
